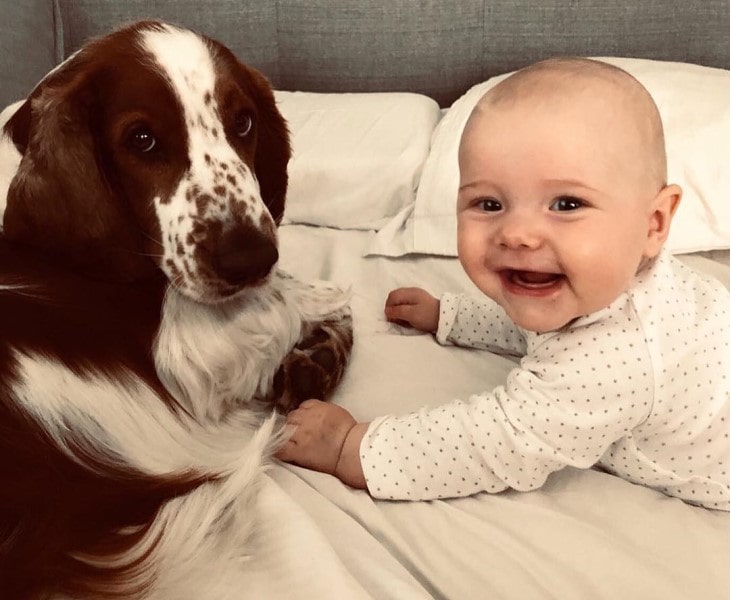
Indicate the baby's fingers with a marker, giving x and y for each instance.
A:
(400, 314)
(406, 295)
(287, 451)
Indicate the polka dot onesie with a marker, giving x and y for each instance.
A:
(641, 388)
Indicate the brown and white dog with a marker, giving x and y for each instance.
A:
(144, 325)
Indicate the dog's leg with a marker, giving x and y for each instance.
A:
(316, 364)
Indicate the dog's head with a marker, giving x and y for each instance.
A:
(152, 149)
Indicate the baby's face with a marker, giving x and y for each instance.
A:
(554, 209)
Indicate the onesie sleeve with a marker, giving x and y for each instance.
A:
(478, 323)
(566, 403)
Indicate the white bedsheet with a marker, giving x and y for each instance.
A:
(585, 534)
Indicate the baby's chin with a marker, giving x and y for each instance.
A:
(541, 323)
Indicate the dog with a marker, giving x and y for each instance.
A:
(146, 332)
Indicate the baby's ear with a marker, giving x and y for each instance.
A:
(660, 219)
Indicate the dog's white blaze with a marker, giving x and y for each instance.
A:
(185, 60)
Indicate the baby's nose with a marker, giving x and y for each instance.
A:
(519, 232)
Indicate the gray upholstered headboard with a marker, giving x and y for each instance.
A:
(436, 47)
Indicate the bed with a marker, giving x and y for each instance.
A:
(375, 94)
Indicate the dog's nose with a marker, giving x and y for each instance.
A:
(244, 255)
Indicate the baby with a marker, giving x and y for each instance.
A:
(563, 209)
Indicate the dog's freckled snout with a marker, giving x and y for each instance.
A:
(244, 254)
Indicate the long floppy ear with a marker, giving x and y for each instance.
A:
(59, 201)
(272, 144)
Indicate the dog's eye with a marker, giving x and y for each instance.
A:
(243, 124)
(141, 139)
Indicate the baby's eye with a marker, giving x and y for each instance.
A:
(488, 204)
(567, 203)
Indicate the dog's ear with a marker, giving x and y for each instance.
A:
(18, 126)
(59, 201)
(272, 143)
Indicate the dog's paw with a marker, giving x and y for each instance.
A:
(299, 379)
(314, 367)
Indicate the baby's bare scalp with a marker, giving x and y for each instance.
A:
(573, 80)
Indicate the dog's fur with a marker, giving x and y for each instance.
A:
(144, 325)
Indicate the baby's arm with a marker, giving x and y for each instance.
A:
(458, 319)
(478, 323)
(326, 438)
(550, 413)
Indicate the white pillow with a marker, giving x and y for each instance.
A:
(694, 103)
(357, 158)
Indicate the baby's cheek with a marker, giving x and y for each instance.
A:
(603, 286)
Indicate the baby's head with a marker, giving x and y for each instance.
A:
(563, 196)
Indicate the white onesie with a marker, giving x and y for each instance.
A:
(641, 388)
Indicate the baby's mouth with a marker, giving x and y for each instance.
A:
(531, 282)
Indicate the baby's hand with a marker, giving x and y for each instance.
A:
(320, 434)
(413, 307)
